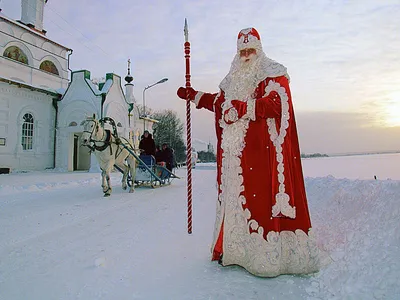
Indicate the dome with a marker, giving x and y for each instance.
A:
(128, 78)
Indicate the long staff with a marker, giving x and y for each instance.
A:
(188, 131)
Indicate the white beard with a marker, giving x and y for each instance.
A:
(243, 79)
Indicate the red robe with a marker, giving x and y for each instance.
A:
(262, 221)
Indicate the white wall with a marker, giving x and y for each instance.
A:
(14, 103)
(78, 102)
(116, 107)
(37, 49)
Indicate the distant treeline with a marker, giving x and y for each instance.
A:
(206, 156)
(313, 155)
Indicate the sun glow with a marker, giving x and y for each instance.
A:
(392, 110)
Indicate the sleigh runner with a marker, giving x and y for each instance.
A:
(148, 173)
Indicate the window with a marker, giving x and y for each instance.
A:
(13, 52)
(73, 123)
(49, 66)
(27, 132)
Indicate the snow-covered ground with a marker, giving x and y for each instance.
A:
(60, 239)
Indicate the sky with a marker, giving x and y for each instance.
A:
(342, 57)
(61, 239)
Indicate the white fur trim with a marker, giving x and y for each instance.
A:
(231, 116)
(247, 40)
(244, 244)
(196, 99)
(253, 43)
(251, 109)
(216, 97)
(282, 199)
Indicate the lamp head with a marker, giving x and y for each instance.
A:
(163, 80)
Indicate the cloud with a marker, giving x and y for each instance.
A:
(342, 56)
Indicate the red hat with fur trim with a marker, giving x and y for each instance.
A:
(248, 38)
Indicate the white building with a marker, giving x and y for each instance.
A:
(40, 110)
(210, 147)
(84, 98)
(33, 74)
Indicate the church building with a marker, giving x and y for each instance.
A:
(84, 98)
(41, 108)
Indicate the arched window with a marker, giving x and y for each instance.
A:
(27, 132)
(15, 53)
(49, 66)
(73, 123)
(119, 124)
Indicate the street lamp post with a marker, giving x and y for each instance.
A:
(144, 101)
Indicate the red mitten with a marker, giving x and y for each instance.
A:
(237, 111)
(184, 92)
(269, 106)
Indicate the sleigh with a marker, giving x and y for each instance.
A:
(148, 172)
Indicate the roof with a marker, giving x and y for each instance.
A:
(106, 86)
(93, 87)
(5, 18)
(21, 84)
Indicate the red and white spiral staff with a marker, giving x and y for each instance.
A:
(188, 131)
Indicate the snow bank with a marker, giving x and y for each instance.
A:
(357, 223)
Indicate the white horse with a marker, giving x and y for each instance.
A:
(109, 152)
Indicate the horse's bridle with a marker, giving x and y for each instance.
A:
(91, 132)
(107, 143)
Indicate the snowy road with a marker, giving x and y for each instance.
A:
(65, 241)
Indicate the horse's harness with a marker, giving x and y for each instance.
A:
(108, 140)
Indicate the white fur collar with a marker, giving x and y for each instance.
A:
(266, 68)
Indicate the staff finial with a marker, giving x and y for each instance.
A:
(186, 31)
